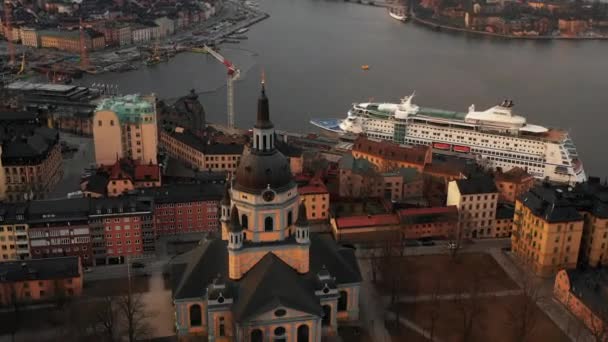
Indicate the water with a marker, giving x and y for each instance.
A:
(312, 52)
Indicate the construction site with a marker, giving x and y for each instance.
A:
(57, 66)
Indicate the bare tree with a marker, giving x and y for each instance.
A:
(435, 309)
(132, 309)
(469, 305)
(522, 313)
(107, 318)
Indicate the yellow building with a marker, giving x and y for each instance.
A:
(595, 238)
(14, 242)
(268, 278)
(29, 37)
(546, 231)
(476, 200)
(315, 197)
(125, 127)
(199, 153)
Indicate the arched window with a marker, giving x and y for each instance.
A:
(257, 336)
(264, 143)
(257, 141)
(303, 333)
(222, 327)
(326, 315)
(196, 317)
(343, 301)
(244, 221)
(268, 224)
(279, 335)
(289, 218)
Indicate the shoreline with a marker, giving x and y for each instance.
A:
(436, 26)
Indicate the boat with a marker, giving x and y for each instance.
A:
(241, 31)
(365, 67)
(495, 137)
(398, 13)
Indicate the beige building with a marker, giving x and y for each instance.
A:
(14, 242)
(125, 127)
(476, 200)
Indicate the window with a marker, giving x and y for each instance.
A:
(289, 218)
(244, 221)
(268, 224)
(279, 334)
(326, 315)
(257, 336)
(343, 301)
(222, 329)
(196, 318)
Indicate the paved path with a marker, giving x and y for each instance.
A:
(413, 326)
(371, 306)
(453, 296)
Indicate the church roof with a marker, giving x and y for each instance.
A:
(302, 221)
(257, 171)
(257, 291)
(272, 283)
(235, 224)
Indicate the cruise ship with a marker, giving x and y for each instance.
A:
(495, 137)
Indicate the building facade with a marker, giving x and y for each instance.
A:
(32, 163)
(476, 200)
(14, 241)
(125, 127)
(437, 222)
(546, 232)
(388, 156)
(315, 197)
(513, 183)
(231, 292)
(25, 282)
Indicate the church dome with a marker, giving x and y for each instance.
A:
(262, 165)
(257, 171)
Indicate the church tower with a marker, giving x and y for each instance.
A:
(225, 211)
(266, 198)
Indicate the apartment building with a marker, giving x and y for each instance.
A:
(476, 200)
(14, 241)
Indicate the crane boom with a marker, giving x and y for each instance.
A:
(233, 74)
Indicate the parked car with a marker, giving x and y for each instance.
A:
(138, 265)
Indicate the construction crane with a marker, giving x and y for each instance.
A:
(233, 74)
(9, 32)
(84, 58)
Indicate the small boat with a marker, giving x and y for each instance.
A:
(365, 67)
(241, 31)
(398, 13)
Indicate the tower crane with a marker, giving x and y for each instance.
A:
(233, 74)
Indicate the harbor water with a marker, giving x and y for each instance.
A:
(312, 52)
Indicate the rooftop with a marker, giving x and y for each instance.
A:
(591, 287)
(40, 269)
(481, 185)
(428, 215)
(391, 151)
(314, 186)
(505, 212)
(367, 221)
(357, 165)
(128, 108)
(514, 175)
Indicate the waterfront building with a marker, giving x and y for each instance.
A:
(70, 40)
(60, 228)
(29, 37)
(121, 228)
(315, 197)
(185, 208)
(125, 127)
(166, 27)
(29, 281)
(144, 33)
(201, 153)
(513, 183)
(31, 162)
(476, 200)
(14, 241)
(585, 294)
(121, 177)
(267, 277)
(388, 156)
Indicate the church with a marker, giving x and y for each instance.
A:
(267, 278)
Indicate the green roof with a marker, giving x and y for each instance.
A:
(441, 114)
(128, 108)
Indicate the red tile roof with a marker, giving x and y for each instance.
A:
(515, 175)
(367, 221)
(315, 186)
(391, 151)
(444, 169)
(452, 209)
(130, 169)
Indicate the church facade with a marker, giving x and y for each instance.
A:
(267, 278)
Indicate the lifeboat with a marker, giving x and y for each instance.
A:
(365, 67)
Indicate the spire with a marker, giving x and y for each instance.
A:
(226, 198)
(235, 225)
(302, 221)
(263, 118)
